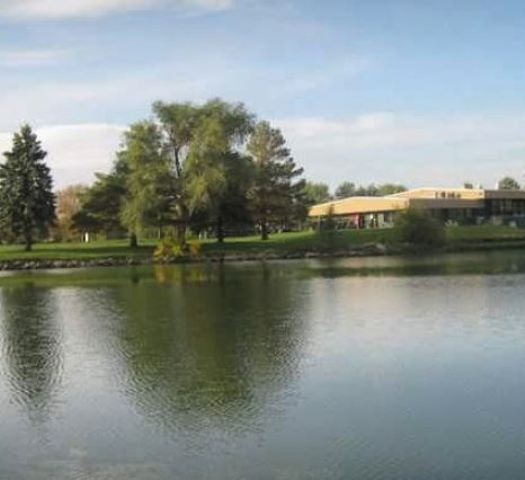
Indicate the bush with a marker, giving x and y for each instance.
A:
(419, 228)
(167, 250)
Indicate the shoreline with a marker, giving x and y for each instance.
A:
(365, 250)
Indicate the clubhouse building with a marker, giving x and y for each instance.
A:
(452, 205)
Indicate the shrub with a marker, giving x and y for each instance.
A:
(168, 250)
(419, 228)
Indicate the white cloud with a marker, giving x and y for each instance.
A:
(59, 9)
(380, 147)
(32, 58)
(76, 152)
(418, 150)
(74, 102)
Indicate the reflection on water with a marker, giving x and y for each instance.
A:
(209, 352)
(31, 347)
(355, 368)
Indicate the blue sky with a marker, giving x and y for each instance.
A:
(419, 92)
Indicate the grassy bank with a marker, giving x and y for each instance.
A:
(458, 238)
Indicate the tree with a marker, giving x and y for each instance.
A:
(316, 193)
(178, 122)
(27, 202)
(213, 164)
(468, 185)
(390, 189)
(68, 205)
(345, 190)
(189, 130)
(419, 228)
(274, 193)
(369, 191)
(150, 187)
(508, 183)
(102, 203)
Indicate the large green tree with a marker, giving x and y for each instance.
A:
(101, 205)
(275, 190)
(214, 166)
(178, 123)
(27, 202)
(150, 186)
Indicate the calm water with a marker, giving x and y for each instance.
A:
(350, 369)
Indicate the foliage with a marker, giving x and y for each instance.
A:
(150, 188)
(274, 195)
(348, 189)
(216, 175)
(390, 189)
(101, 204)
(197, 139)
(419, 228)
(68, 205)
(468, 185)
(27, 202)
(508, 183)
(316, 192)
(168, 250)
(345, 190)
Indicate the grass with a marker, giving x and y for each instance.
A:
(75, 251)
(279, 243)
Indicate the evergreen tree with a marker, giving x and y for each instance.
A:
(101, 205)
(27, 202)
(274, 196)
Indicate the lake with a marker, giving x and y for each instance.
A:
(376, 368)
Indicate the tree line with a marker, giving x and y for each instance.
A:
(318, 192)
(212, 167)
(209, 167)
(200, 167)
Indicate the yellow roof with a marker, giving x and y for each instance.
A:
(430, 198)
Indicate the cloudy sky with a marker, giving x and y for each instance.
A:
(419, 92)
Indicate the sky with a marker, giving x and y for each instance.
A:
(424, 93)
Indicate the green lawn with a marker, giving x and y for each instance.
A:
(278, 243)
(80, 251)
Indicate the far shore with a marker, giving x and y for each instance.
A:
(285, 246)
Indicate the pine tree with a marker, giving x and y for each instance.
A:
(27, 202)
(274, 195)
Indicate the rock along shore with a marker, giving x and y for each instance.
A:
(365, 250)
(48, 264)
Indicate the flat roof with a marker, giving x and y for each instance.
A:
(429, 198)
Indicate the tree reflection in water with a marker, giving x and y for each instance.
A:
(201, 350)
(31, 347)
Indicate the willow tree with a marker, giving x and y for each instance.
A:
(275, 189)
(178, 122)
(202, 142)
(150, 189)
(214, 163)
(27, 202)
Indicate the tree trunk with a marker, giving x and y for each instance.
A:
(264, 230)
(133, 242)
(28, 240)
(181, 225)
(220, 230)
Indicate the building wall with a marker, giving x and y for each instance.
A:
(456, 205)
